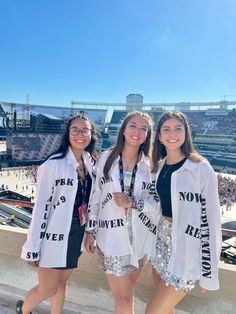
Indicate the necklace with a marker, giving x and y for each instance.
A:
(80, 165)
(128, 166)
(166, 169)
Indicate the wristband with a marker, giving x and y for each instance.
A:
(137, 204)
(92, 232)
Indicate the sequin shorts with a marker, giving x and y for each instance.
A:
(163, 253)
(116, 265)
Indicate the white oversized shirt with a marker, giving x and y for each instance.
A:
(57, 182)
(196, 229)
(109, 220)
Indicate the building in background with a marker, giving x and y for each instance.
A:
(134, 102)
(32, 132)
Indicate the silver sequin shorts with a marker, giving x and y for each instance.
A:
(116, 265)
(163, 253)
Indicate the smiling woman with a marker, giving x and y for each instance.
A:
(57, 227)
(172, 134)
(79, 136)
(188, 242)
(122, 209)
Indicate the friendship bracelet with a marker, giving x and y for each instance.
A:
(92, 232)
(137, 204)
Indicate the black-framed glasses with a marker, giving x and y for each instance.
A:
(76, 131)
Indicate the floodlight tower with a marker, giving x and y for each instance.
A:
(26, 115)
(224, 105)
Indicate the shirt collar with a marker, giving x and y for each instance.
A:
(72, 160)
(144, 159)
(189, 165)
(71, 157)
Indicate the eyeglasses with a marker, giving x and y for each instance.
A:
(84, 132)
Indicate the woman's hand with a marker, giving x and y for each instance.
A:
(33, 263)
(90, 244)
(122, 199)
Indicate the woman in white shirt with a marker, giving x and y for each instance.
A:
(57, 227)
(122, 209)
(189, 237)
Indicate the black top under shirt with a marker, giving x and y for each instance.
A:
(79, 196)
(163, 186)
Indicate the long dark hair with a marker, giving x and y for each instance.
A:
(64, 146)
(159, 150)
(145, 147)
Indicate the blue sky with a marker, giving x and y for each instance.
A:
(101, 50)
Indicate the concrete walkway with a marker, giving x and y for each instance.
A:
(9, 297)
(88, 292)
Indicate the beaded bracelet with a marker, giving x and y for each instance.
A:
(92, 232)
(137, 204)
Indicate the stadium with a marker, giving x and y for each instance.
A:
(29, 133)
(32, 132)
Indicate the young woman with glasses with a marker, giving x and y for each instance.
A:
(59, 217)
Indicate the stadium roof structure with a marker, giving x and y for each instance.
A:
(2, 112)
(223, 104)
(49, 116)
(76, 106)
(2, 122)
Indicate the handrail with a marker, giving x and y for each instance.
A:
(17, 202)
(229, 232)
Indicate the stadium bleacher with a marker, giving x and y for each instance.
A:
(203, 123)
(32, 146)
(214, 131)
(214, 134)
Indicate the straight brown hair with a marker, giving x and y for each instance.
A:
(159, 150)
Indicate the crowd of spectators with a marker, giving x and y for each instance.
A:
(31, 171)
(216, 148)
(25, 172)
(201, 123)
(227, 184)
(32, 146)
(227, 191)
